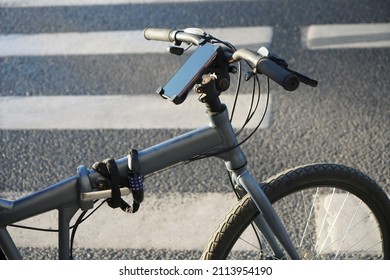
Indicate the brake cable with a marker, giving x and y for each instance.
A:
(79, 221)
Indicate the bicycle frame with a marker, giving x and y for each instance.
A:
(79, 191)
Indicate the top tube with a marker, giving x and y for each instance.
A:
(62, 194)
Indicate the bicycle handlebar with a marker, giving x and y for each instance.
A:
(286, 78)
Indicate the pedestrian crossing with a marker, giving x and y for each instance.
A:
(132, 42)
(169, 219)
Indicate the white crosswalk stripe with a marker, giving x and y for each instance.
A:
(374, 35)
(116, 112)
(170, 216)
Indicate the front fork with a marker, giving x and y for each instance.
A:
(267, 221)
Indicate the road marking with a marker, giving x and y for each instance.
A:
(116, 112)
(332, 36)
(72, 43)
(171, 221)
(54, 3)
(115, 42)
(185, 221)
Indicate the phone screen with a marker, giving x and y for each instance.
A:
(189, 73)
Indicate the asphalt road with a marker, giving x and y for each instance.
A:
(344, 120)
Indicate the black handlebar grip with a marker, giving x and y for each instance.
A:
(158, 34)
(277, 73)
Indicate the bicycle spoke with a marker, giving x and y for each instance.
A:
(363, 237)
(343, 236)
(333, 224)
(348, 228)
(250, 244)
(308, 219)
(324, 219)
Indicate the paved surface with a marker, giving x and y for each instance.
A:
(344, 120)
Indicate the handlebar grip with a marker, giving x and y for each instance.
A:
(172, 35)
(277, 73)
(158, 34)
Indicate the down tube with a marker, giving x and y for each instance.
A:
(175, 150)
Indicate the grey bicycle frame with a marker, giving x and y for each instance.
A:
(79, 191)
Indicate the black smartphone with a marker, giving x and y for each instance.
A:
(189, 73)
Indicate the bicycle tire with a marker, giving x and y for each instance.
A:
(351, 191)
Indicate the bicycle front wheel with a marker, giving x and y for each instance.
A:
(330, 212)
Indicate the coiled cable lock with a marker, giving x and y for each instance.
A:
(109, 170)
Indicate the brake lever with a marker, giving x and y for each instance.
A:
(304, 79)
(264, 52)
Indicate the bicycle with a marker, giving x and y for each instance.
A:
(280, 218)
